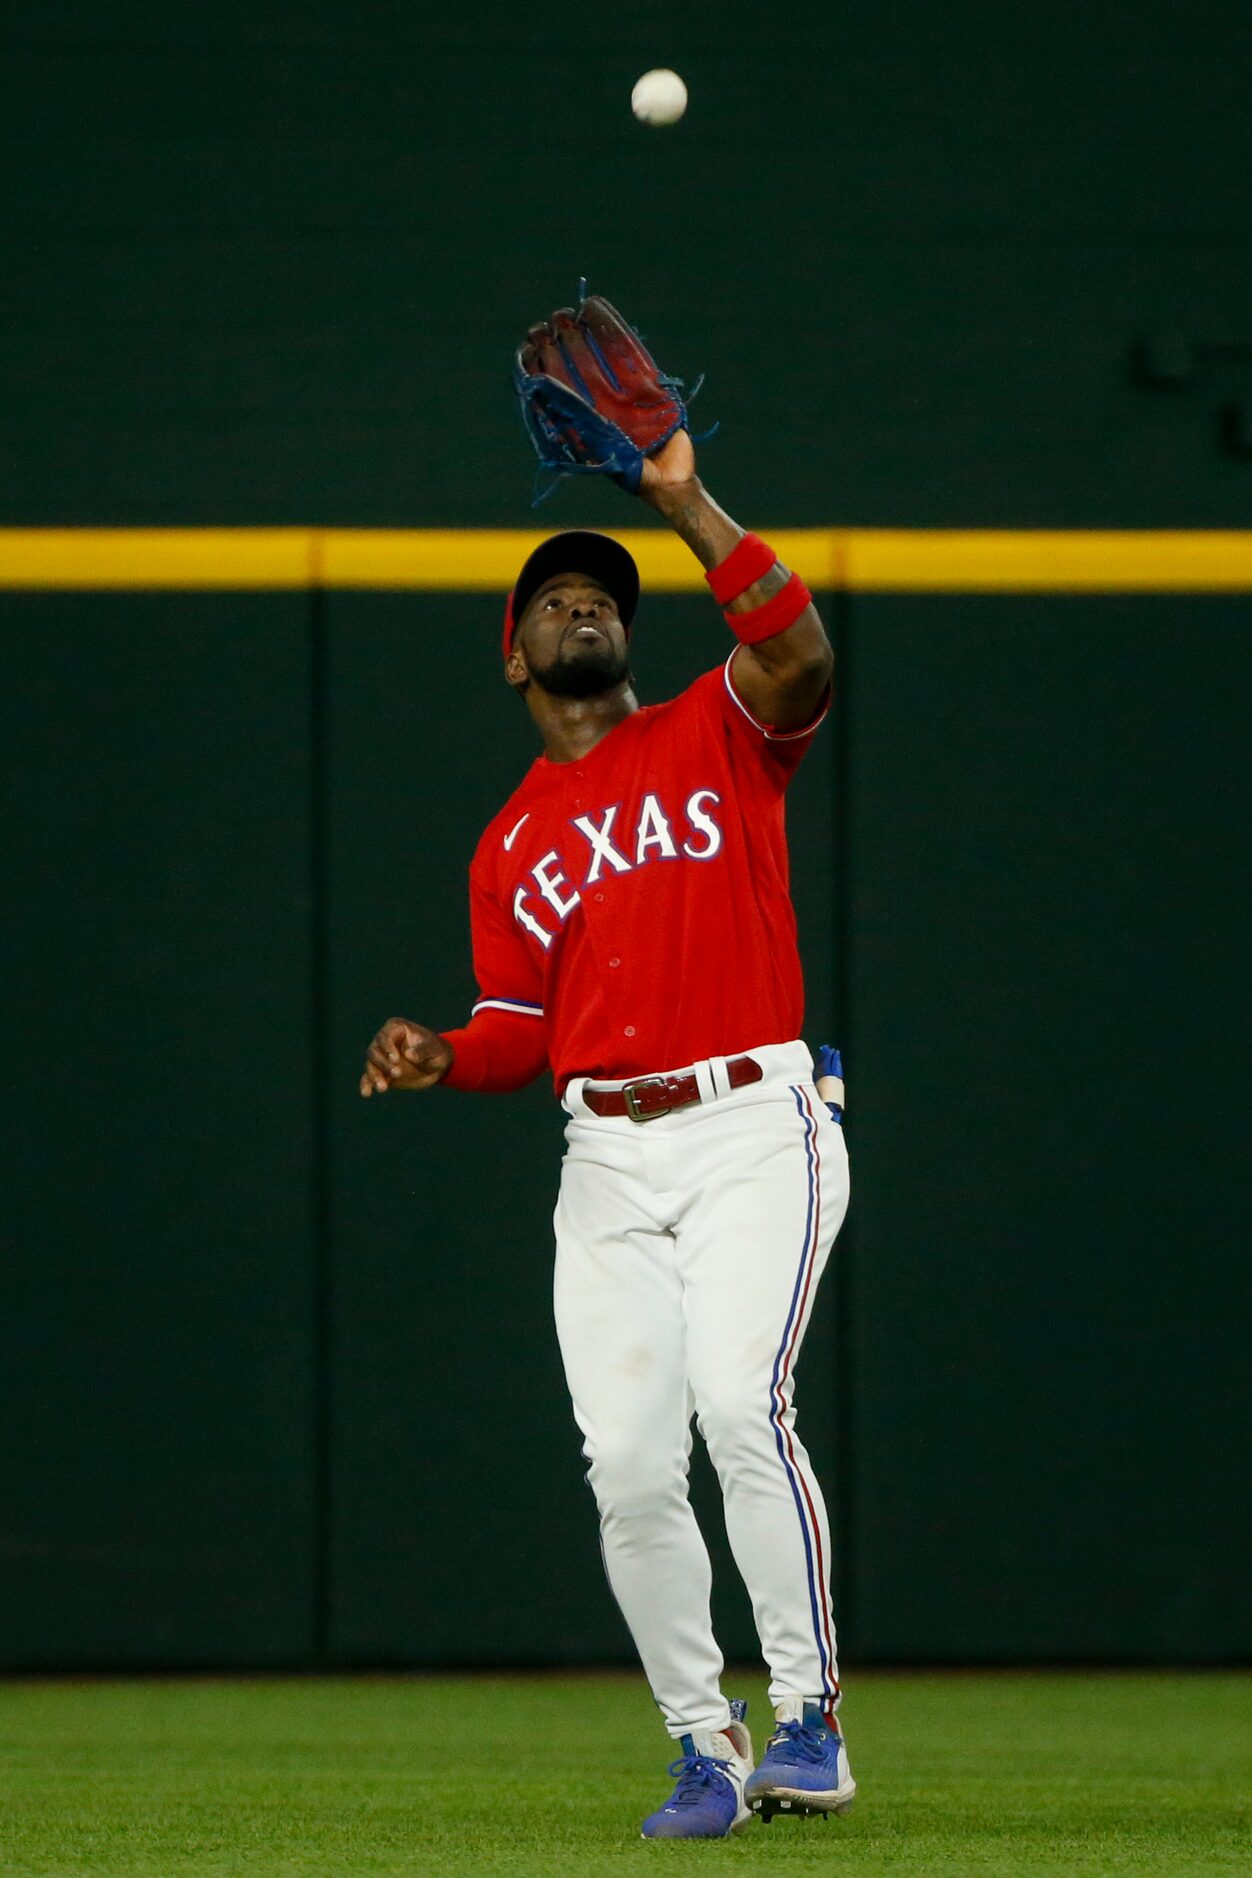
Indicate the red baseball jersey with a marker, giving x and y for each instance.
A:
(630, 912)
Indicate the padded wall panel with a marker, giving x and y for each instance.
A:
(156, 1305)
(268, 265)
(1049, 921)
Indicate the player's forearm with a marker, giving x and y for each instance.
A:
(711, 535)
(692, 513)
(496, 1053)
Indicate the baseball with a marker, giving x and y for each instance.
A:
(660, 97)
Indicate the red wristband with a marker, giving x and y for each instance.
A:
(781, 610)
(748, 561)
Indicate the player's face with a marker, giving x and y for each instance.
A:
(573, 640)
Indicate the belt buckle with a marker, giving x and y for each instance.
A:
(629, 1097)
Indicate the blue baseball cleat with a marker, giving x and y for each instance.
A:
(707, 1803)
(805, 1767)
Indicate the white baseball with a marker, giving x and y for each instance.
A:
(660, 97)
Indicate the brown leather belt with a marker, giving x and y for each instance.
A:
(644, 1097)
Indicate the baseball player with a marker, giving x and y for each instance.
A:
(633, 932)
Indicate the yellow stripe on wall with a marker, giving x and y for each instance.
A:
(134, 558)
(859, 560)
(487, 559)
(935, 560)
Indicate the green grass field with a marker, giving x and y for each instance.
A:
(961, 1773)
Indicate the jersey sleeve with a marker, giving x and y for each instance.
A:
(505, 1044)
(771, 755)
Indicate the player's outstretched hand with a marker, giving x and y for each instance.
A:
(404, 1056)
(673, 465)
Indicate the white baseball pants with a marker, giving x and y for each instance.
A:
(688, 1253)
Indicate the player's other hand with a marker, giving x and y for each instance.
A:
(404, 1056)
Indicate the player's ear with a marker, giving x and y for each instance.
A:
(515, 672)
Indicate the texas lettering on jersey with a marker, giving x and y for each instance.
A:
(630, 911)
(698, 837)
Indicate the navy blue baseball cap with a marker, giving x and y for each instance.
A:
(576, 551)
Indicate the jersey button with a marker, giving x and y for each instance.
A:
(598, 896)
(629, 1030)
(615, 961)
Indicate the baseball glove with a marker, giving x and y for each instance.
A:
(592, 397)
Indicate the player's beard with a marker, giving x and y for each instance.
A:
(584, 672)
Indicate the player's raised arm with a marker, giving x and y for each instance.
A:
(595, 401)
(782, 674)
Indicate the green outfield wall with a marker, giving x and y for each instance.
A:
(278, 1382)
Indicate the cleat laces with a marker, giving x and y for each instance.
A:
(695, 1774)
(794, 1743)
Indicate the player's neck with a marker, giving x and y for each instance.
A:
(571, 727)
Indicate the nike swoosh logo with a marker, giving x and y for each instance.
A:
(512, 834)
